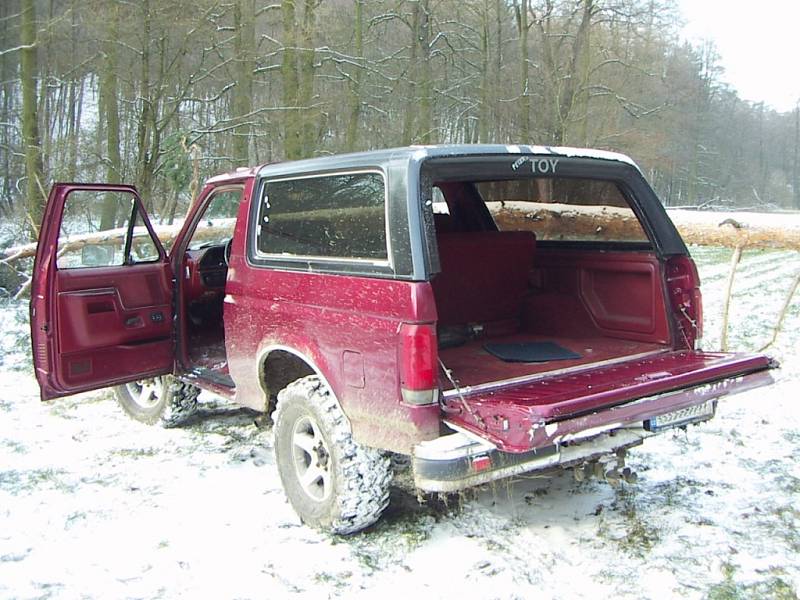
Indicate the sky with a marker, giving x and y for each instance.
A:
(758, 42)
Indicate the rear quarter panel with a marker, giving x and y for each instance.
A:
(345, 327)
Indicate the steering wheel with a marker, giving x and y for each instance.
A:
(226, 255)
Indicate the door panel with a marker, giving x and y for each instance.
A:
(94, 326)
(104, 314)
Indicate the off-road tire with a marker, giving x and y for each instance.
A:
(163, 401)
(352, 486)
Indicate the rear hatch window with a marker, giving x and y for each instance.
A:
(562, 209)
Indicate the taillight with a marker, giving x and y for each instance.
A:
(418, 363)
(683, 286)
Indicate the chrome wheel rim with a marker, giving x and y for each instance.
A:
(146, 393)
(312, 459)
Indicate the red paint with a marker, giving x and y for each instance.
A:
(321, 316)
(91, 327)
(615, 294)
(370, 338)
(484, 276)
(683, 289)
(472, 365)
(526, 406)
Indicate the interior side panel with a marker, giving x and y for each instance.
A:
(618, 293)
(621, 297)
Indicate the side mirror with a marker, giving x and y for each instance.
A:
(97, 255)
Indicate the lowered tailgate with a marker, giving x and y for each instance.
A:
(525, 415)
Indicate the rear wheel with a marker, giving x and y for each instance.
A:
(333, 483)
(159, 400)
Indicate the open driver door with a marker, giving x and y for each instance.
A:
(101, 307)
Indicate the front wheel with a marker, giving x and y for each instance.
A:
(158, 400)
(333, 483)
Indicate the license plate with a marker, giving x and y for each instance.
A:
(685, 416)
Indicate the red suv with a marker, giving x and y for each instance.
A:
(485, 310)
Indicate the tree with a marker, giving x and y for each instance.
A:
(34, 190)
(292, 143)
(796, 162)
(109, 100)
(522, 9)
(244, 24)
(356, 77)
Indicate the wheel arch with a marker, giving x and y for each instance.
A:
(279, 365)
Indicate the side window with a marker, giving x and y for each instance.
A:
(330, 216)
(216, 225)
(557, 208)
(96, 231)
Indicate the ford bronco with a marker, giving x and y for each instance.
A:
(485, 310)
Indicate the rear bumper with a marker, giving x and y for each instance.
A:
(464, 459)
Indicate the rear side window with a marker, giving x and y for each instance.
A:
(340, 216)
(580, 210)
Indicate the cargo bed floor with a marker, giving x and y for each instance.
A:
(472, 365)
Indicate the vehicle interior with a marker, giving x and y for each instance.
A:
(538, 275)
(542, 275)
(204, 273)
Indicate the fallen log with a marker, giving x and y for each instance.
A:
(752, 230)
(165, 233)
(581, 223)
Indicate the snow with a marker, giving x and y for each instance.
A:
(93, 505)
(786, 220)
(560, 208)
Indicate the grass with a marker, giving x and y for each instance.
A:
(15, 446)
(640, 534)
(21, 482)
(336, 580)
(135, 452)
(773, 587)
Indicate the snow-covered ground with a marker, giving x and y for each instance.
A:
(787, 220)
(93, 505)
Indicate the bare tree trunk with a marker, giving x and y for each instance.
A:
(425, 127)
(34, 190)
(484, 113)
(73, 110)
(522, 8)
(501, 11)
(6, 89)
(244, 23)
(308, 124)
(291, 135)
(571, 90)
(144, 129)
(409, 116)
(351, 138)
(796, 165)
(784, 311)
(109, 93)
(735, 259)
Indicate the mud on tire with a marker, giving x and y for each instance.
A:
(333, 483)
(165, 400)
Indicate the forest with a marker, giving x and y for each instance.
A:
(164, 94)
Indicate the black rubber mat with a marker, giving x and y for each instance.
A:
(530, 351)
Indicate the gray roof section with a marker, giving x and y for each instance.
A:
(376, 158)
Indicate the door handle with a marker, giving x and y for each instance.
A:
(133, 322)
